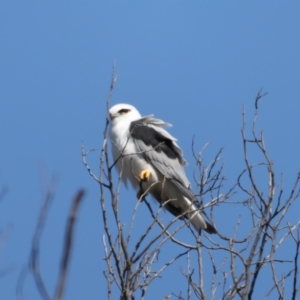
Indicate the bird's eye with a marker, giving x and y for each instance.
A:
(124, 111)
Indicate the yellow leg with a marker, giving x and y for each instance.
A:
(145, 175)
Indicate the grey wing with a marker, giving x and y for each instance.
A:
(169, 168)
(160, 149)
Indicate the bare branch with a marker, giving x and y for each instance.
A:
(131, 266)
(69, 236)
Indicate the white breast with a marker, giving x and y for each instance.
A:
(132, 163)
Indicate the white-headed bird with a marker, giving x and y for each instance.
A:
(149, 157)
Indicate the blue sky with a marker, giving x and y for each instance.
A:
(193, 64)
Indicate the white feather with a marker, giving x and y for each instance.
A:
(168, 179)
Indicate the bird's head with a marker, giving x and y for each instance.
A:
(123, 112)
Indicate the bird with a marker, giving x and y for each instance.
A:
(147, 156)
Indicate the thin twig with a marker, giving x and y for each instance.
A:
(69, 237)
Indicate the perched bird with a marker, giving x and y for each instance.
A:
(149, 157)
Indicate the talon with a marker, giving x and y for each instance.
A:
(145, 175)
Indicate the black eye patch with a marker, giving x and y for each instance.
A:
(124, 111)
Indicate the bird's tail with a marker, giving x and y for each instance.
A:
(210, 228)
(199, 223)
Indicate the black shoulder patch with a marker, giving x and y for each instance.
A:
(155, 139)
